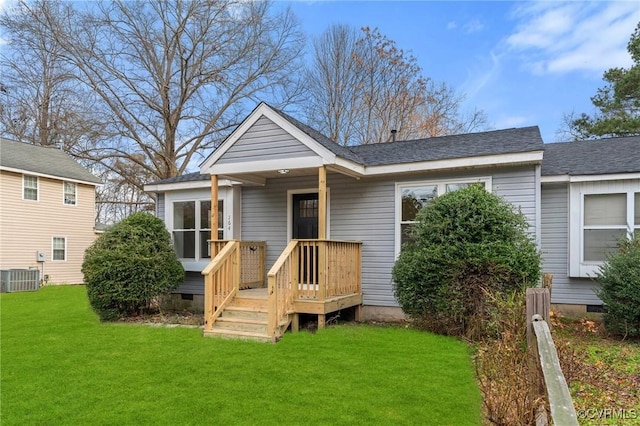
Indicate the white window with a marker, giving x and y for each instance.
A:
(601, 214)
(411, 197)
(30, 187)
(69, 193)
(192, 228)
(59, 249)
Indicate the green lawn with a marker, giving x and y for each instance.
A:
(60, 365)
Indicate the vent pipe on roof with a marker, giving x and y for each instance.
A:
(393, 135)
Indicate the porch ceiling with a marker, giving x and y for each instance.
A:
(260, 178)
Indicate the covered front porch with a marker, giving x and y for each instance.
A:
(275, 160)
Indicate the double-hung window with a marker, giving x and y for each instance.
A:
(69, 193)
(192, 228)
(411, 197)
(601, 214)
(30, 187)
(59, 249)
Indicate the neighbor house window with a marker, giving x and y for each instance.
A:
(192, 228)
(601, 214)
(59, 248)
(69, 193)
(413, 196)
(30, 187)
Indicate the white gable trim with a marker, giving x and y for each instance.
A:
(181, 186)
(265, 166)
(263, 110)
(589, 178)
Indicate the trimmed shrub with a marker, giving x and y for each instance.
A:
(129, 265)
(467, 247)
(619, 280)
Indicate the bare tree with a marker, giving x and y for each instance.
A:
(40, 102)
(172, 77)
(362, 86)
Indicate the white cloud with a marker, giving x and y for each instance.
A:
(484, 74)
(473, 26)
(556, 37)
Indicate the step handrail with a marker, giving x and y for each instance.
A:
(282, 285)
(221, 281)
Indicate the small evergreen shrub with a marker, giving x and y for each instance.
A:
(619, 280)
(467, 247)
(129, 265)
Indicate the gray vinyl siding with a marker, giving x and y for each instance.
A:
(265, 141)
(359, 211)
(517, 185)
(160, 206)
(193, 283)
(364, 210)
(555, 249)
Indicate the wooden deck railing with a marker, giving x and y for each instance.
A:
(328, 268)
(221, 281)
(252, 261)
(312, 270)
(282, 286)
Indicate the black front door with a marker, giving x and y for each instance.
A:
(305, 227)
(305, 216)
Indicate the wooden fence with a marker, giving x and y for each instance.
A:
(542, 349)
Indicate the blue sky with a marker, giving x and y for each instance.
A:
(523, 63)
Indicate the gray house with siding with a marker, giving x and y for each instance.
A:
(275, 176)
(590, 199)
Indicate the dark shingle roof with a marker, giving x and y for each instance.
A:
(455, 146)
(438, 148)
(189, 177)
(337, 149)
(494, 142)
(44, 160)
(602, 156)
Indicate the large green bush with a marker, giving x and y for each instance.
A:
(129, 265)
(619, 280)
(469, 249)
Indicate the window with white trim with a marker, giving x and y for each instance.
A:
(59, 249)
(192, 228)
(30, 187)
(69, 193)
(601, 214)
(411, 197)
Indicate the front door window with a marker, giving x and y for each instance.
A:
(305, 216)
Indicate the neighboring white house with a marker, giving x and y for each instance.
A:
(268, 191)
(47, 205)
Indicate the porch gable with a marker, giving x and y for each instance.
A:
(267, 141)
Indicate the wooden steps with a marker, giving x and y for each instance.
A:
(246, 318)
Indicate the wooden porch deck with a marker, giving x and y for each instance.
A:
(310, 277)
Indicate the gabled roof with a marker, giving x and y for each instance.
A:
(39, 160)
(511, 146)
(494, 142)
(337, 149)
(597, 157)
